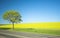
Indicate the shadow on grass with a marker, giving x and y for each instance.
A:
(5, 28)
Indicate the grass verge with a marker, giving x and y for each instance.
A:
(45, 31)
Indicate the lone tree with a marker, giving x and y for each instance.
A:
(12, 16)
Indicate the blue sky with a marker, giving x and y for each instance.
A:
(33, 10)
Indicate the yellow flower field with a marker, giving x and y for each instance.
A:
(42, 25)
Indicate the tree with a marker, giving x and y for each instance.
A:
(12, 16)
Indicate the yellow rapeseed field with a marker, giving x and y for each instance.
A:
(41, 25)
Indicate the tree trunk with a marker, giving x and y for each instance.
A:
(13, 26)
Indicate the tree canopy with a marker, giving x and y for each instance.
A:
(12, 16)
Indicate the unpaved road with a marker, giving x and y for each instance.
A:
(14, 34)
(7, 36)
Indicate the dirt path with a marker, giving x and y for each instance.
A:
(6, 36)
(25, 34)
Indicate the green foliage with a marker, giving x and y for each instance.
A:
(12, 16)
